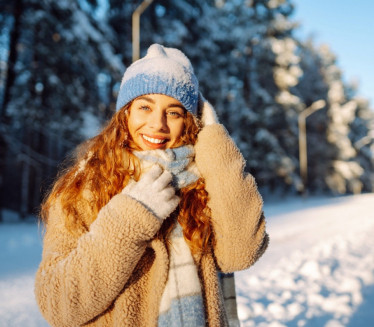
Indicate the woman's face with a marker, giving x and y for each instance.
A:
(156, 121)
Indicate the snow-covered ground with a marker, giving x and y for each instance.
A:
(318, 270)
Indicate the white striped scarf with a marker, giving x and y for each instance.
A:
(182, 302)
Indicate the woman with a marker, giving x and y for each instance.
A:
(140, 230)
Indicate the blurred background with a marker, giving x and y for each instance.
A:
(278, 89)
(291, 80)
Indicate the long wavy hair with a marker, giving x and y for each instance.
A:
(102, 166)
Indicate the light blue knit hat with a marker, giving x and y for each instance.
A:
(162, 71)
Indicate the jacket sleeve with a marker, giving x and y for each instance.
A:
(79, 277)
(236, 206)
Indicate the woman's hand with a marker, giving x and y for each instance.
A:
(155, 192)
(208, 114)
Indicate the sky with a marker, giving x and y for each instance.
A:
(348, 27)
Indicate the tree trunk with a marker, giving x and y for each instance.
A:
(13, 8)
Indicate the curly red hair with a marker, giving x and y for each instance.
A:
(102, 167)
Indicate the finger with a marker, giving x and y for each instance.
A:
(163, 180)
(174, 201)
(167, 193)
(209, 115)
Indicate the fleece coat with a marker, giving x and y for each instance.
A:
(114, 274)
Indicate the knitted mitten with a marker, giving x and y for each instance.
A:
(155, 192)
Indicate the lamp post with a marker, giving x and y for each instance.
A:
(136, 28)
(303, 156)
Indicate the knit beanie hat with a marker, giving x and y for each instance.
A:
(162, 71)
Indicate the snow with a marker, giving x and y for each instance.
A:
(319, 268)
(21, 252)
(317, 271)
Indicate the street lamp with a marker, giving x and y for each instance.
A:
(136, 27)
(303, 157)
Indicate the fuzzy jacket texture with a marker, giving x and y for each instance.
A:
(115, 274)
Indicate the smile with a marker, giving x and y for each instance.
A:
(153, 140)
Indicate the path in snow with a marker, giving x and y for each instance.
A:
(318, 270)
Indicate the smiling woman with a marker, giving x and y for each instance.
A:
(156, 212)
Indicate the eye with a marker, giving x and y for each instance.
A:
(144, 108)
(175, 114)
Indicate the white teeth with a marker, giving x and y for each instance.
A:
(152, 140)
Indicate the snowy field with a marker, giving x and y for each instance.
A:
(318, 270)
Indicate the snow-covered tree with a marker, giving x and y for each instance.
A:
(61, 69)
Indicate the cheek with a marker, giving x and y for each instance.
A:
(133, 123)
(177, 130)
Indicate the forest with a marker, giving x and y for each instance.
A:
(61, 64)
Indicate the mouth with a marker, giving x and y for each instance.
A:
(154, 142)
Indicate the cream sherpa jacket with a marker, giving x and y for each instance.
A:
(114, 274)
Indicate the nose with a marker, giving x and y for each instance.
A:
(158, 121)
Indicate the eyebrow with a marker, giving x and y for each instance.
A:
(171, 105)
